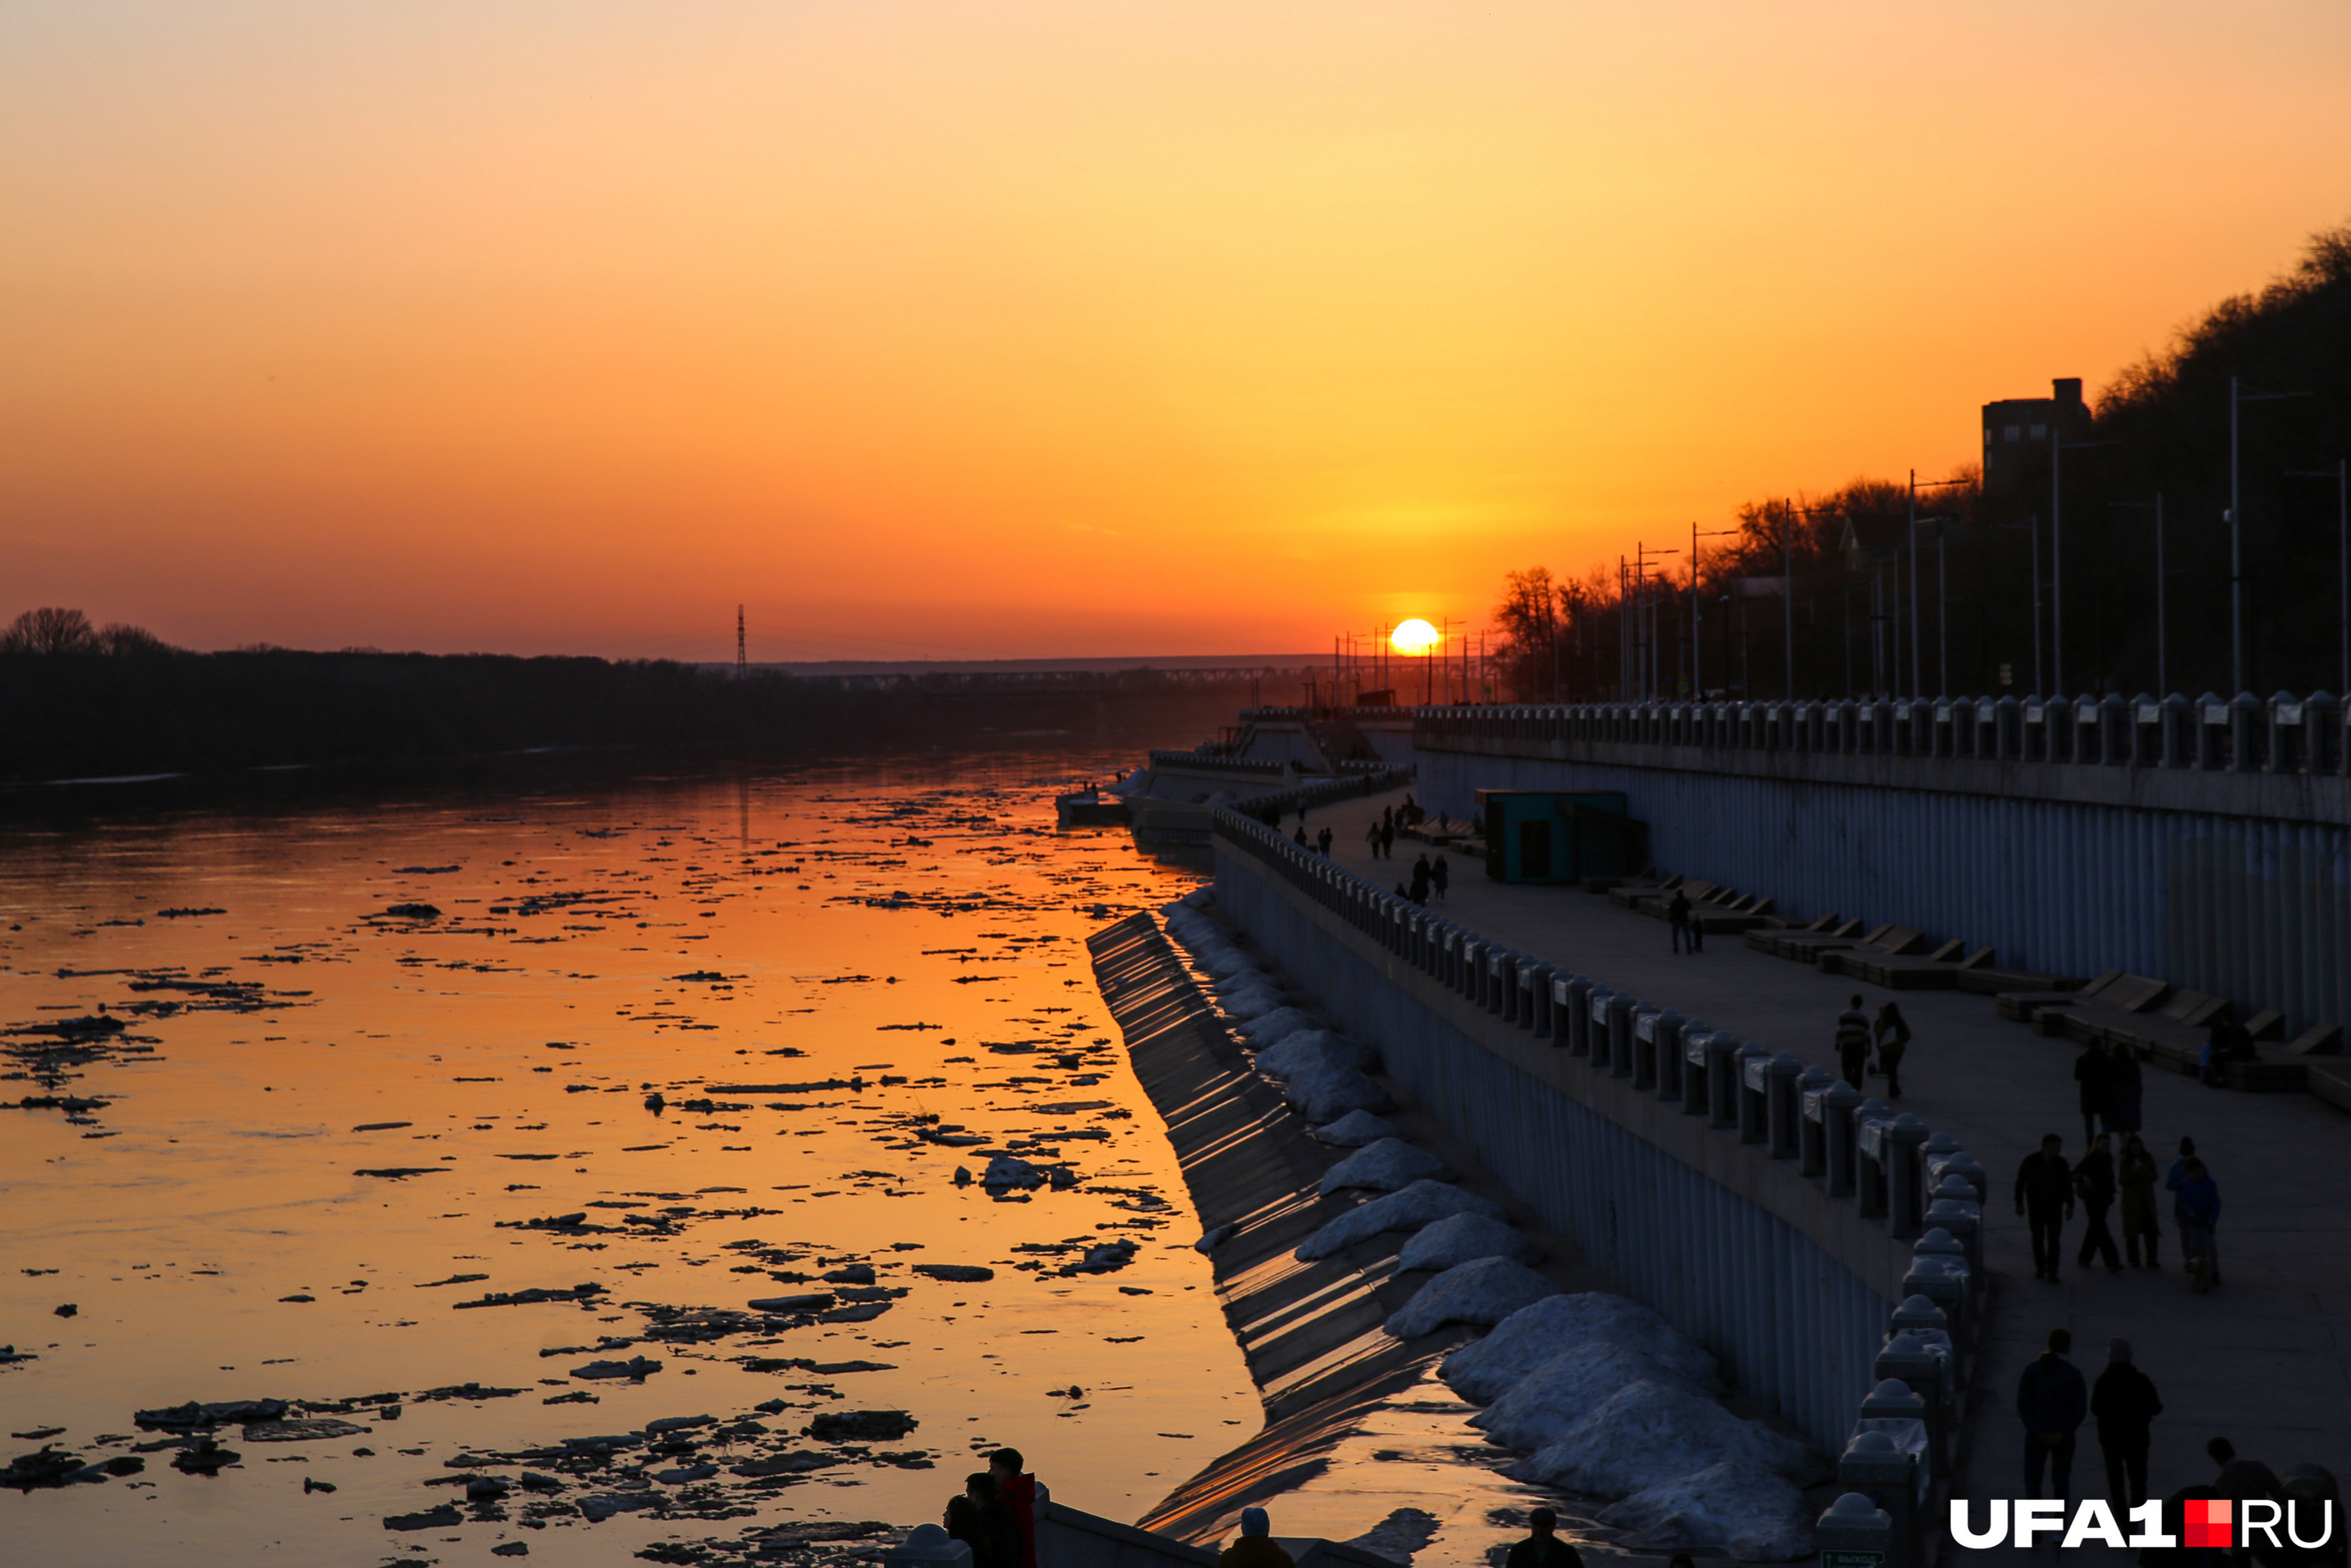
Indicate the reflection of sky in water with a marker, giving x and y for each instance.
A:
(591, 945)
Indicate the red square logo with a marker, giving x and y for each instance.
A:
(2208, 1522)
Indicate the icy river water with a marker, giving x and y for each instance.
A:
(656, 1050)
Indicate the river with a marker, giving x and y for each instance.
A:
(382, 1065)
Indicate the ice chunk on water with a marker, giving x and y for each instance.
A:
(1484, 1291)
(1462, 1238)
(1756, 1516)
(1418, 1205)
(1526, 1340)
(1387, 1166)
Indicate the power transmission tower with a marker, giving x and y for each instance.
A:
(742, 664)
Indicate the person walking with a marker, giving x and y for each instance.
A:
(1301, 834)
(1420, 876)
(2124, 1404)
(2044, 1192)
(1891, 1034)
(1542, 1548)
(1440, 876)
(2199, 1215)
(1024, 1495)
(1387, 841)
(1677, 918)
(2052, 1401)
(1255, 1546)
(1853, 1044)
(2094, 1184)
(1372, 837)
(1322, 841)
(2094, 1073)
(2135, 1180)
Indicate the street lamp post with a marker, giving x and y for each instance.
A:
(1915, 616)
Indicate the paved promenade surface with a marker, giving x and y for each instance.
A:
(2264, 1360)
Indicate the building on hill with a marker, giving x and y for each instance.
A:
(2017, 433)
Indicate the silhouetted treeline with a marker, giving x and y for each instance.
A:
(81, 702)
(1843, 586)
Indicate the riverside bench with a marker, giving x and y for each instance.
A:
(1805, 944)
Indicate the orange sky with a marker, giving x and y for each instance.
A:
(1034, 326)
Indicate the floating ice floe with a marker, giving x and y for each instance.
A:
(1388, 1165)
(1004, 1170)
(1464, 1237)
(1526, 1340)
(1354, 1130)
(1422, 1203)
(1484, 1291)
(1755, 1515)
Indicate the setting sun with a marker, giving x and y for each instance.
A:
(1415, 636)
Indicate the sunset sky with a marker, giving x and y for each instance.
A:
(1041, 327)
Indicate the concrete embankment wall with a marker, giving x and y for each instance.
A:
(1312, 1332)
(1788, 1287)
(2255, 909)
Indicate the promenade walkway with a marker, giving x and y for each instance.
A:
(2264, 1360)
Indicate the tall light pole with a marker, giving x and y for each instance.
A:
(2341, 477)
(2238, 396)
(1698, 686)
(1915, 616)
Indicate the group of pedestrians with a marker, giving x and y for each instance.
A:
(1857, 1035)
(2048, 1191)
(997, 1511)
(2053, 1399)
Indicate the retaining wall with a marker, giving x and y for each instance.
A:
(2257, 909)
(1788, 1287)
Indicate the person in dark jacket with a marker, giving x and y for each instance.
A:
(979, 1517)
(1891, 1035)
(1255, 1547)
(1678, 919)
(1322, 841)
(2135, 1176)
(1440, 877)
(2094, 1184)
(1387, 841)
(2199, 1215)
(2240, 1479)
(1420, 878)
(2124, 1405)
(2094, 1071)
(1853, 1044)
(2052, 1401)
(2045, 1194)
(1542, 1549)
(1024, 1495)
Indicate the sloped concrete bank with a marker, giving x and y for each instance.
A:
(1344, 1302)
(1312, 1332)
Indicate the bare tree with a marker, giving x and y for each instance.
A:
(50, 631)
